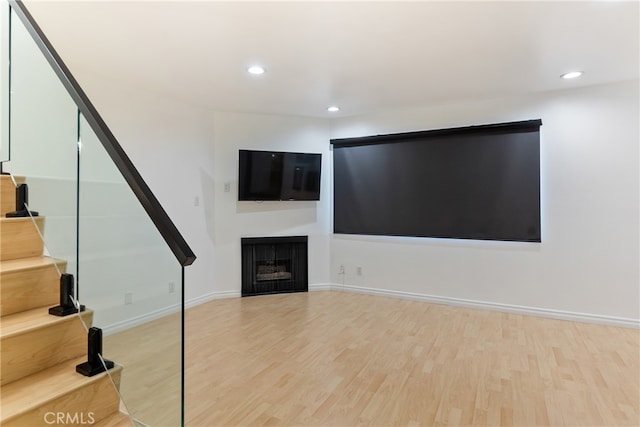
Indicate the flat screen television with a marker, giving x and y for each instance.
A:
(278, 175)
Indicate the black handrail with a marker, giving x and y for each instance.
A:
(154, 209)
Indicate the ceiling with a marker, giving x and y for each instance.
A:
(362, 56)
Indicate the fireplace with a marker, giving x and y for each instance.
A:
(273, 265)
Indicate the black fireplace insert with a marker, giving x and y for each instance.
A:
(274, 265)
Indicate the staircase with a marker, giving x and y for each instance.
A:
(38, 351)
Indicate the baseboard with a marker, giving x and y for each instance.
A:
(320, 287)
(458, 302)
(157, 314)
(132, 322)
(484, 305)
(210, 297)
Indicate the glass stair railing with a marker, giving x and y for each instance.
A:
(4, 83)
(101, 229)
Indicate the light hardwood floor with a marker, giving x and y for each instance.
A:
(342, 359)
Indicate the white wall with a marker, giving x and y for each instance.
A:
(588, 261)
(233, 220)
(170, 143)
(120, 250)
(187, 154)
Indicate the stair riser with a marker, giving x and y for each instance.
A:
(32, 351)
(86, 405)
(27, 289)
(8, 194)
(20, 238)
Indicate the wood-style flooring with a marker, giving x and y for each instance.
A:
(344, 359)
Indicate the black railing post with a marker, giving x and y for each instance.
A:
(94, 364)
(22, 203)
(67, 303)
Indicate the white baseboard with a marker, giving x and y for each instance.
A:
(484, 305)
(123, 325)
(320, 287)
(210, 297)
(157, 314)
(237, 294)
(458, 302)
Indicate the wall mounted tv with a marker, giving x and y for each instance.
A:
(278, 175)
(476, 182)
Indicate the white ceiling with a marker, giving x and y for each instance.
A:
(362, 56)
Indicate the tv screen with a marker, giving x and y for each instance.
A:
(278, 175)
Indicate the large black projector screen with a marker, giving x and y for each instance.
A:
(477, 182)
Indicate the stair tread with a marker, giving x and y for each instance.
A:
(35, 390)
(14, 265)
(29, 320)
(117, 419)
(22, 218)
(17, 178)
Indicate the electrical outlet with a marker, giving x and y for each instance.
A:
(341, 269)
(196, 201)
(172, 287)
(128, 298)
(227, 187)
(359, 271)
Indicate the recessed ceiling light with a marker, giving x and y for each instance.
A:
(333, 109)
(255, 69)
(571, 75)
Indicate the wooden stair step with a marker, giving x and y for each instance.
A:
(28, 283)
(19, 238)
(8, 193)
(34, 340)
(60, 389)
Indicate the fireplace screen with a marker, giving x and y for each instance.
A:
(274, 265)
